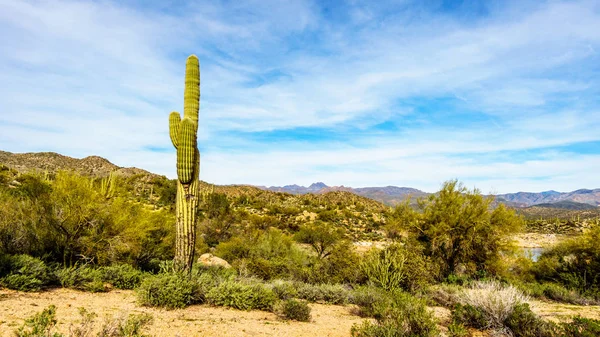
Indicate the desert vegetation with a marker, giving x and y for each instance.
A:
(63, 229)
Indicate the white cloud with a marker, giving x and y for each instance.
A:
(85, 78)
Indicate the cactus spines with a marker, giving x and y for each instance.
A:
(183, 133)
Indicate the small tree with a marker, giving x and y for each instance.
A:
(458, 227)
(321, 236)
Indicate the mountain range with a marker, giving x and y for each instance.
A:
(392, 195)
(389, 195)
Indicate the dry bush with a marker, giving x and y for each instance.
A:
(496, 301)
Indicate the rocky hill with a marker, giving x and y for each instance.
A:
(52, 162)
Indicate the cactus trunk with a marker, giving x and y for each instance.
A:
(183, 134)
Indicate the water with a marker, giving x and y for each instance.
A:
(533, 253)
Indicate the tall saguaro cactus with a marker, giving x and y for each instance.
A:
(183, 134)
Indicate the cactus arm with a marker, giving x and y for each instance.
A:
(186, 152)
(191, 95)
(174, 121)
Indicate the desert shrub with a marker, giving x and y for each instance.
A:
(522, 322)
(40, 325)
(556, 292)
(265, 254)
(494, 300)
(340, 266)
(369, 300)
(581, 327)
(284, 290)
(443, 294)
(294, 310)
(470, 316)
(321, 236)
(574, 263)
(122, 276)
(169, 291)
(130, 326)
(241, 296)
(460, 233)
(405, 316)
(324, 293)
(81, 278)
(85, 327)
(457, 330)
(25, 273)
(397, 267)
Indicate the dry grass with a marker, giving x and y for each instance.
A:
(495, 300)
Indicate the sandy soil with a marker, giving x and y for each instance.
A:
(537, 240)
(199, 320)
(559, 312)
(203, 320)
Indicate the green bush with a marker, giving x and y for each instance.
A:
(25, 273)
(242, 296)
(122, 276)
(284, 290)
(370, 301)
(169, 291)
(324, 293)
(522, 322)
(81, 278)
(574, 263)
(470, 316)
(582, 327)
(294, 310)
(405, 316)
(398, 267)
(457, 330)
(40, 325)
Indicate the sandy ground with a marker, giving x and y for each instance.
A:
(199, 320)
(203, 320)
(537, 240)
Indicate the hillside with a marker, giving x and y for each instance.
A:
(360, 217)
(52, 162)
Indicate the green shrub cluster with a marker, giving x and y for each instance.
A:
(242, 296)
(24, 273)
(575, 264)
(323, 293)
(294, 310)
(404, 316)
(170, 291)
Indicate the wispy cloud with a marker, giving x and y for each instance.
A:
(372, 93)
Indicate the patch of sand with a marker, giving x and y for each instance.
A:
(537, 240)
(560, 312)
(197, 320)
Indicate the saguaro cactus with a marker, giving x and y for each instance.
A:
(183, 134)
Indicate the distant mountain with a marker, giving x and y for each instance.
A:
(566, 204)
(525, 199)
(390, 195)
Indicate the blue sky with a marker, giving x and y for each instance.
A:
(502, 95)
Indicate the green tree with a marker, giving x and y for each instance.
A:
(321, 236)
(458, 227)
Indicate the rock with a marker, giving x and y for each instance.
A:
(210, 260)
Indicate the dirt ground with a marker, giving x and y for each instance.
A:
(198, 320)
(203, 320)
(537, 240)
